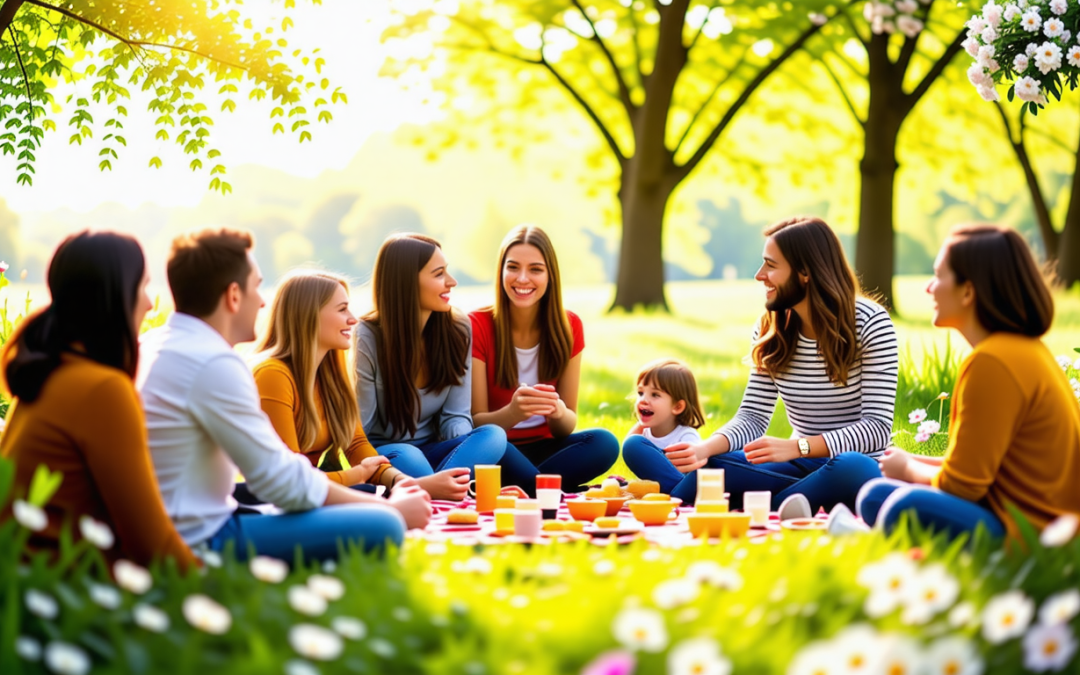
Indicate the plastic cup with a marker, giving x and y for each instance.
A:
(504, 520)
(758, 504)
(527, 523)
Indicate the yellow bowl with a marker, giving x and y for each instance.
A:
(716, 506)
(586, 509)
(615, 504)
(651, 512)
(656, 497)
(718, 524)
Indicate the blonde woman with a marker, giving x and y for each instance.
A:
(305, 386)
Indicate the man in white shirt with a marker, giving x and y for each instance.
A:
(205, 423)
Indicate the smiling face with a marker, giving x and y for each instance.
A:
(251, 301)
(435, 284)
(953, 303)
(336, 322)
(656, 410)
(524, 275)
(783, 287)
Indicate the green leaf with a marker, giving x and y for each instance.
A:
(43, 485)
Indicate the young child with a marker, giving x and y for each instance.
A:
(667, 406)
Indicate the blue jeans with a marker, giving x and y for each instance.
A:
(824, 482)
(483, 445)
(881, 502)
(578, 458)
(317, 532)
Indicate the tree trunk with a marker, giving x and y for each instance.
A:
(640, 279)
(8, 10)
(1068, 264)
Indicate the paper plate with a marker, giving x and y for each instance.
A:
(804, 524)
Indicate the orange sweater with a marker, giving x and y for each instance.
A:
(1015, 432)
(280, 400)
(88, 424)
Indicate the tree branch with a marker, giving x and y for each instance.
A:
(939, 66)
(26, 77)
(907, 51)
(624, 91)
(854, 29)
(1038, 200)
(712, 95)
(8, 10)
(612, 144)
(843, 91)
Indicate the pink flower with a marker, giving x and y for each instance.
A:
(611, 663)
(922, 437)
(3, 267)
(916, 416)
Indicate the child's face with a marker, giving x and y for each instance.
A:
(656, 408)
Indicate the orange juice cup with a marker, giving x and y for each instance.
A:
(488, 483)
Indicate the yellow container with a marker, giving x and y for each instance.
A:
(713, 506)
(504, 521)
(586, 509)
(718, 524)
(651, 512)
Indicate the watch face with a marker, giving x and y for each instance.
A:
(804, 446)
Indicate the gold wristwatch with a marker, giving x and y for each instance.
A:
(804, 447)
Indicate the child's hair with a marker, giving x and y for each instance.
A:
(673, 377)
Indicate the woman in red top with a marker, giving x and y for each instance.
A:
(527, 368)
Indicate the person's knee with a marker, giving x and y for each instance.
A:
(855, 467)
(378, 526)
(490, 433)
(870, 497)
(605, 444)
(635, 448)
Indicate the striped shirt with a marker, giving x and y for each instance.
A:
(856, 417)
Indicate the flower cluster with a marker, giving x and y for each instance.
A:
(928, 428)
(1031, 43)
(890, 16)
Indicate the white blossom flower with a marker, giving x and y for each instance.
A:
(1006, 616)
(29, 516)
(1010, 13)
(962, 615)
(1059, 7)
(1061, 531)
(132, 577)
(916, 416)
(330, 588)
(96, 532)
(349, 627)
(1031, 21)
(299, 667)
(382, 647)
(315, 642)
(988, 93)
(1060, 608)
(1063, 361)
(988, 34)
(270, 570)
(1030, 50)
(900, 655)
(953, 655)
(978, 77)
(1052, 28)
(1027, 89)
(673, 593)
(922, 437)
(206, 615)
(306, 601)
(1066, 35)
(971, 46)
(858, 649)
(150, 618)
(930, 427)
(1049, 647)
(887, 580)
(436, 548)
(992, 13)
(402, 614)
(698, 656)
(818, 19)
(474, 565)
(64, 658)
(602, 568)
(933, 591)
(106, 597)
(643, 629)
(210, 558)
(909, 25)
(27, 648)
(1072, 57)
(907, 6)
(712, 573)
(41, 605)
(976, 25)
(1020, 63)
(817, 658)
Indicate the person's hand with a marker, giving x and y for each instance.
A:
(770, 449)
(894, 464)
(560, 407)
(449, 484)
(369, 465)
(687, 457)
(539, 400)
(412, 503)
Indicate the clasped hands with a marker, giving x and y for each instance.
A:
(687, 457)
(540, 399)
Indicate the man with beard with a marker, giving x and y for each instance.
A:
(829, 354)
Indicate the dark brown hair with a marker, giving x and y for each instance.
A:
(94, 280)
(202, 265)
(1011, 294)
(556, 336)
(674, 378)
(811, 248)
(395, 321)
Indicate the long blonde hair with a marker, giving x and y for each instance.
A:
(292, 338)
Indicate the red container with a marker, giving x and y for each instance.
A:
(548, 481)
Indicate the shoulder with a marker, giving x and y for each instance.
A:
(1014, 352)
(273, 370)
(367, 333)
(482, 318)
(97, 378)
(577, 330)
(870, 317)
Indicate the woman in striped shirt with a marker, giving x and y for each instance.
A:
(829, 354)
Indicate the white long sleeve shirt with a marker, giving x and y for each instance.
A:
(205, 423)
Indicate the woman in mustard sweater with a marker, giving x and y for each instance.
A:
(70, 368)
(306, 391)
(1014, 436)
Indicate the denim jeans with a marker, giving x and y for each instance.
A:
(881, 502)
(316, 533)
(823, 481)
(483, 445)
(578, 458)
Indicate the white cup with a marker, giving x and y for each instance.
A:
(527, 523)
(758, 505)
(549, 498)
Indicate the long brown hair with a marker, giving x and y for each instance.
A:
(556, 336)
(1011, 294)
(812, 249)
(293, 339)
(395, 321)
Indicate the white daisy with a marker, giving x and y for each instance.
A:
(1049, 647)
(934, 590)
(641, 629)
(41, 605)
(205, 614)
(953, 655)
(330, 588)
(27, 648)
(887, 580)
(299, 667)
(106, 597)
(1072, 57)
(270, 570)
(1060, 608)
(698, 656)
(96, 532)
(1052, 28)
(1027, 89)
(64, 658)
(150, 618)
(962, 615)
(29, 516)
(858, 649)
(673, 593)
(1031, 21)
(1010, 13)
(1006, 616)
(817, 658)
(132, 577)
(306, 601)
(348, 627)
(916, 416)
(714, 574)
(315, 642)
(1021, 62)
(1059, 7)
(900, 655)
(930, 427)
(1061, 531)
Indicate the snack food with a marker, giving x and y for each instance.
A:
(594, 493)
(641, 488)
(607, 523)
(611, 488)
(553, 526)
(461, 517)
(656, 497)
(573, 525)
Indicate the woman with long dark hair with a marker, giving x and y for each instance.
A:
(527, 365)
(1014, 432)
(414, 369)
(829, 354)
(70, 368)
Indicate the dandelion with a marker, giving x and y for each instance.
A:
(916, 416)
(41, 605)
(64, 658)
(270, 570)
(698, 656)
(934, 590)
(642, 629)
(27, 648)
(150, 618)
(675, 593)
(299, 667)
(206, 615)
(96, 532)
(304, 600)
(1060, 607)
(104, 596)
(1006, 616)
(330, 588)
(315, 642)
(29, 516)
(132, 577)
(952, 655)
(348, 627)
(1049, 647)
(1061, 531)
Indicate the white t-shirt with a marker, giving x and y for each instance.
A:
(529, 373)
(682, 434)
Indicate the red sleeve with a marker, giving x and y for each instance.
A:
(578, 330)
(483, 334)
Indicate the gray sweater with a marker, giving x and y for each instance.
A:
(442, 416)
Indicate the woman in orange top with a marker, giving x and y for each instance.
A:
(304, 384)
(70, 368)
(1014, 436)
